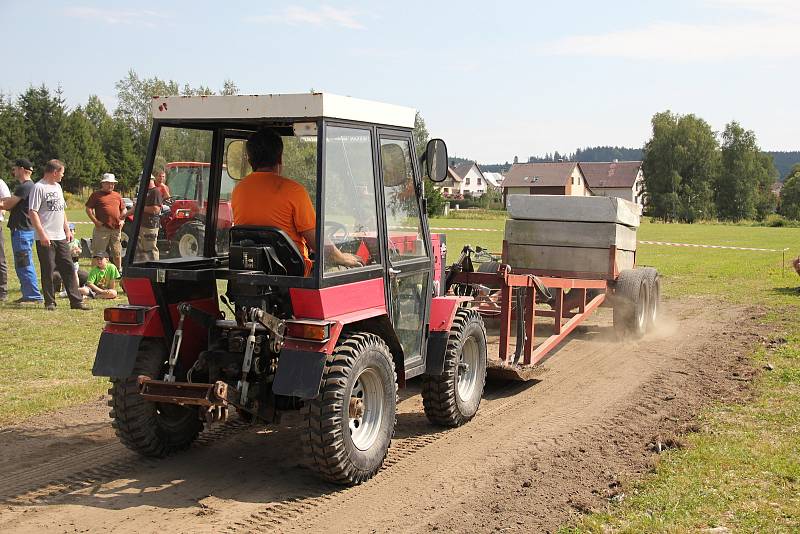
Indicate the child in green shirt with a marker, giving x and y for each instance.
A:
(102, 281)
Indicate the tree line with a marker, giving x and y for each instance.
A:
(38, 125)
(691, 173)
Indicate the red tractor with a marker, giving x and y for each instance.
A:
(182, 228)
(336, 344)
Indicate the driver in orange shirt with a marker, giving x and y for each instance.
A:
(265, 198)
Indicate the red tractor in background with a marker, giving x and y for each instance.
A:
(182, 230)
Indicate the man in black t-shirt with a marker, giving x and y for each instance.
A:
(22, 234)
(147, 246)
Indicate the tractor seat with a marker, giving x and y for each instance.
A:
(264, 248)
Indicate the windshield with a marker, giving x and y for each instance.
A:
(184, 177)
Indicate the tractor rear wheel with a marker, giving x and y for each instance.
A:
(453, 398)
(350, 424)
(631, 303)
(654, 298)
(150, 428)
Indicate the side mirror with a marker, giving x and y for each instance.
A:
(436, 160)
(235, 161)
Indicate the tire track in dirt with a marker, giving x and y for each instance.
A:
(444, 478)
(65, 475)
(277, 516)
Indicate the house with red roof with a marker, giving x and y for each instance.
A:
(557, 178)
(466, 178)
(623, 179)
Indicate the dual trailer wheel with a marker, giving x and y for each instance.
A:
(637, 296)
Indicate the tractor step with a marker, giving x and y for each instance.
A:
(216, 394)
(499, 370)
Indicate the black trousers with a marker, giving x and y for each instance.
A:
(57, 257)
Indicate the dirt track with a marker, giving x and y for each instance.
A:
(536, 454)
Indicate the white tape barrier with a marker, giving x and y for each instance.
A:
(712, 246)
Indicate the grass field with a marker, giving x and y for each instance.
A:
(742, 471)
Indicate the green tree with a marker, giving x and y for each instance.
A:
(790, 194)
(681, 165)
(13, 135)
(45, 114)
(229, 88)
(121, 156)
(82, 151)
(134, 97)
(434, 201)
(97, 113)
(745, 178)
(766, 201)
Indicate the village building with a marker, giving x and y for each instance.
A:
(558, 178)
(622, 179)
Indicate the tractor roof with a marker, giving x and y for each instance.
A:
(299, 106)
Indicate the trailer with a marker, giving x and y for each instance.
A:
(568, 293)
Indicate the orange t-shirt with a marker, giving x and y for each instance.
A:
(268, 199)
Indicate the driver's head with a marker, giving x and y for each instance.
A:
(265, 149)
(159, 177)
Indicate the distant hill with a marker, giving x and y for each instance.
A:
(784, 161)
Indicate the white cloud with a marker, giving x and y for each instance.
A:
(770, 33)
(321, 16)
(147, 18)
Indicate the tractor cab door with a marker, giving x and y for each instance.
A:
(408, 266)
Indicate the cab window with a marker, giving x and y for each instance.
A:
(351, 219)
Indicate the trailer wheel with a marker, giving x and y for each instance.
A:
(150, 428)
(654, 298)
(631, 296)
(350, 423)
(453, 398)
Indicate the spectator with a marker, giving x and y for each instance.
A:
(22, 234)
(4, 194)
(49, 220)
(102, 280)
(75, 251)
(147, 246)
(160, 181)
(107, 211)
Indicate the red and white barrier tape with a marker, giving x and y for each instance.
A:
(711, 246)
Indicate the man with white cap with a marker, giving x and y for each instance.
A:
(107, 211)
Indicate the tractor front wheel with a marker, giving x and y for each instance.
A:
(453, 398)
(189, 239)
(150, 428)
(350, 424)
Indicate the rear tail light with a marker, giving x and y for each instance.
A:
(125, 314)
(308, 330)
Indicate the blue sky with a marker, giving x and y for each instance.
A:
(494, 79)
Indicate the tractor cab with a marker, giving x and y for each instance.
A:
(357, 162)
(243, 318)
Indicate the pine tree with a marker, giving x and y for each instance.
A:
(82, 152)
(13, 134)
(44, 118)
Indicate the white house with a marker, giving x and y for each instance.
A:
(464, 179)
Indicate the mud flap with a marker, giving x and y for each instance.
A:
(434, 357)
(299, 373)
(116, 355)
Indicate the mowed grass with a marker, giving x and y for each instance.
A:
(46, 357)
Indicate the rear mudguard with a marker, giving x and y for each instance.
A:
(443, 312)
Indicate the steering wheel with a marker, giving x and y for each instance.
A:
(169, 200)
(332, 228)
